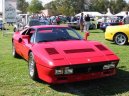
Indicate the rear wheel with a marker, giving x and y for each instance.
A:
(120, 39)
(32, 67)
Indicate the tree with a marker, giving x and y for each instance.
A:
(99, 5)
(67, 7)
(22, 5)
(72, 7)
(35, 6)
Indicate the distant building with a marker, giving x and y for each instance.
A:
(47, 12)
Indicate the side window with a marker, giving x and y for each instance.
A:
(32, 38)
(72, 34)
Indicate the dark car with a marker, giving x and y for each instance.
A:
(76, 25)
(103, 26)
(33, 22)
(2, 25)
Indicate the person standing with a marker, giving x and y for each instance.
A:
(87, 23)
(23, 21)
(126, 18)
(81, 22)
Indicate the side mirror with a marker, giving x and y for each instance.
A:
(27, 37)
(86, 35)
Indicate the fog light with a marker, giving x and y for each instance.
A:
(112, 65)
(105, 67)
(58, 72)
(68, 70)
(63, 70)
(109, 66)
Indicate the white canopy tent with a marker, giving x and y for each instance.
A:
(108, 13)
(90, 13)
(122, 13)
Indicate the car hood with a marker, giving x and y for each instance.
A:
(75, 52)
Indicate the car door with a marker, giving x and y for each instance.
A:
(26, 44)
(17, 41)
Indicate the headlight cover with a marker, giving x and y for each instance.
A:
(63, 71)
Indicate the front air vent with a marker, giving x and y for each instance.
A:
(79, 50)
(101, 47)
(51, 51)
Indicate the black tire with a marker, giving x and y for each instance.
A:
(120, 39)
(94, 26)
(14, 53)
(32, 67)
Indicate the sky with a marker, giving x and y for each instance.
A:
(44, 2)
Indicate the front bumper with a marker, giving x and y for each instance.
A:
(82, 77)
(47, 74)
(109, 36)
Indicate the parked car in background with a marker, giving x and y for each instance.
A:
(109, 21)
(103, 26)
(44, 22)
(76, 25)
(32, 22)
(118, 34)
(2, 25)
(59, 54)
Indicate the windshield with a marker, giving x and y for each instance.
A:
(56, 34)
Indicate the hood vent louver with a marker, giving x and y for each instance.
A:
(79, 50)
(101, 47)
(51, 51)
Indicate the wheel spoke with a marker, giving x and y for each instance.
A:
(31, 66)
(120, 39)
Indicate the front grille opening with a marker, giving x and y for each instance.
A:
(108, 72)
(61, 78)
(88, 69)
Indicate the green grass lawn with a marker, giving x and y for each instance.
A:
(15, 81)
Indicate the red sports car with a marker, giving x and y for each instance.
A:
(58, 54)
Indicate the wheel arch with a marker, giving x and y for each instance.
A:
(29, 53)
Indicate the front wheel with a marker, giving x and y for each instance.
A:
(14, 53)
(120, 39)
(15, 29)
(32, 67)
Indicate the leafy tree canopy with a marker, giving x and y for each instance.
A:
(35, 6)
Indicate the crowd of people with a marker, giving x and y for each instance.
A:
(83, 20)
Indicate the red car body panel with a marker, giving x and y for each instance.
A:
(69, 53)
